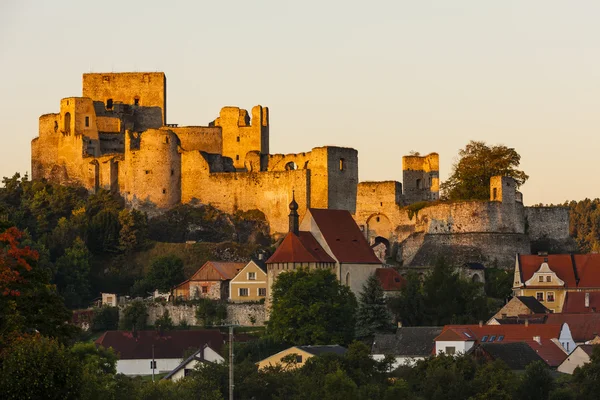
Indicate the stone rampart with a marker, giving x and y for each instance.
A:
(201, 138)
(244, 314)
(547, 222)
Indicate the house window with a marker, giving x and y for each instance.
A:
(298, 359)
(548, 278)
(262, 292)
(492, 338)
(243, 292)
(204, 289)
(450, 350)
(539, 296)
(484, 339)
(109, 299)
(109, 104)
(87, 122)
(500, 338)
(540, 278)
(251, 276)
(550, 296)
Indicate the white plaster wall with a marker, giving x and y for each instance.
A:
(142, 366)
(460, 346)
(398, 360)
(576, 359)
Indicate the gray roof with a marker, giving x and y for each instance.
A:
(409, 341)
(516, 355)
(318, 350)
(533, 304)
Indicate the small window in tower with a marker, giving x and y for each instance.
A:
(164, 191)
(377, 219)
(109, 104)
(172, 172)
(237, 157)
(495, 193)
(136, 101)
(342, 166)
(166, 139)
(381, 203)
(419, 184)
(147, 172)
(87, 122)
(106, 79)
(238, 139)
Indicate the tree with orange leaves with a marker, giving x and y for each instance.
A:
(14, 260)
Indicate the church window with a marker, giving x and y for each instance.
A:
(87, 122)
(109, 104)
(348, 279)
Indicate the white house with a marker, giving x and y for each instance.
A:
(137, 350)
(203, 355)
(579, 356)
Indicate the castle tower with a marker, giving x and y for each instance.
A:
(503, 189)
(421, 178)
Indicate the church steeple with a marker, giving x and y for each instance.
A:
(294, 218)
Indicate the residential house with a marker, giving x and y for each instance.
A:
(519, 307)
(136, 350)
(295, 357)
(210, 281)
(250, 284)
(584, 327)
(517, 356)
(203, 355)
(580, 356)
(548, 340)
(549, 278)
(326, 239)
(391, 281)
(109, 299)
(581, 302)
(407, 345)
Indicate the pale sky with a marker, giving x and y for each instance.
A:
(384, 77)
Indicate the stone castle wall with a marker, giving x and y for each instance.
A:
(547, 223)
(244, 314)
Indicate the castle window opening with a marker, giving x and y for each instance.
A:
(238, 139)
(55, 126)
(87, 122)
(495, 193)
(419, 184)
(166, 139)
(291, 166)
(109, 104)
(106, 79)
(237, 157)
(172, 172)
(164, 191)
(377, 219)
(341, 164)
(136, 101)
(381, 203)
(67, 127)
(147, 172)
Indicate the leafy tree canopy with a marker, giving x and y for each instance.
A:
(134, 316)
(470, 177)
(165, 272)
(311, 307)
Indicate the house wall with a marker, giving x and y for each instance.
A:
(142, 366)
(460, 346)
(355, 275)
(241, 281)
(512, 309)
(398, 360)
(576, 359)
(276, 358)
(208, 354)
(559, 296)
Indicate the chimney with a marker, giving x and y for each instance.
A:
(261, 256)
(538, 339)
(480, 324)
(587, 299)
(526, 322)
(294, 218)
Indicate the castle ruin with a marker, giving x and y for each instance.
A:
(116, 137)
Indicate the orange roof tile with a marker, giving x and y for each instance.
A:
(583, 327)
(575, 302)
(343, 236)
(561, 264)
(300, 248)
(588, 270)
(390, 279)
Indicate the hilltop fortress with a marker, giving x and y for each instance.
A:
(116, 137)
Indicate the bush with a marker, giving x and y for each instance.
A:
(135, 316)
(106, 318)
(211, 312)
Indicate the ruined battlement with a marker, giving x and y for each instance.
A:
(421, 177)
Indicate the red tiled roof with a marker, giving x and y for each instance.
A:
(171, 344)
(588, 270)
(588, 348)
(561, 264)
(548, 350)
(217, 271)
(575, 302)
(390, 279)
(583, 327)
(300, 248)
(343, 236)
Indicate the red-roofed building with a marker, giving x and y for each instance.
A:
(548, 340)
(549, 278)
(391, 281)
(326, 238)
(584, 327)
(210, 281)
(581, 302)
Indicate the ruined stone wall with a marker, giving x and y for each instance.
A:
(201, 138)
(547, 223)
(239, 313)
(378, 210)
(420, 178)
(152, 173)
(145, 90)
(342, 178)
(270, 192)
(242, 135)
(490, 249)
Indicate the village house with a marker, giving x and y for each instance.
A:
(549, 278)
(296, 356)
(580, 356)
(517, 356)
(326, 239)
(517, 309)
(581, 302)
(407, 345)
(210, 281)
(136, 350)
(250, 283)
(201, 356)
(549, 341)
(391, 281)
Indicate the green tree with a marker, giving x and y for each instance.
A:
(106, 318)
(210, 312)
(164, 322)
(103, 232)
(165, 272)
(373, 315)
(134, 316)
(498, 283)
(134, 230)
(585, 378)
(409, 306)
(39, 368)
(536, 383)
(311, 307)
(98, 367)
(470, 176)
(73, 275)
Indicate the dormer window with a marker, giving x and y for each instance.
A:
(548, 278)
(540, 278)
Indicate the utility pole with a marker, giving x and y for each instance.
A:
(153, 363)
(230, 362)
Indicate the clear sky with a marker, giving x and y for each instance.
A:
(384, 77)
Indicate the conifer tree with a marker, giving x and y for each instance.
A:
(373, 315)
